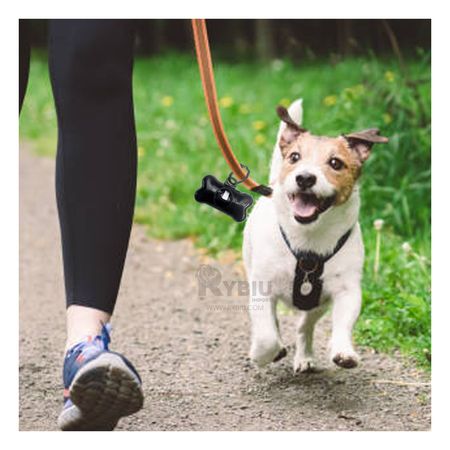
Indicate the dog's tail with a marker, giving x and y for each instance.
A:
(296, 112)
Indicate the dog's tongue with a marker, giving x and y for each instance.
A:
(304, 205)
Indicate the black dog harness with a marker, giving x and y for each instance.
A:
(307, 282)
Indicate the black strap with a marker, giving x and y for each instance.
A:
(263, 190)
(308, 270)
(305, 254)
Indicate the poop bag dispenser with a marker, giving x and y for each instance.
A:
(225, 197)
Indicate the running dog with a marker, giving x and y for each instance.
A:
(304, 244)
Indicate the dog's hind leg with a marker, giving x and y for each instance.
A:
(304, 355)
(266, 344)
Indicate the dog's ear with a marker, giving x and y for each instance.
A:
(291, 132)
(361, 142)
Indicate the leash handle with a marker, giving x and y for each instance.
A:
(209, 89)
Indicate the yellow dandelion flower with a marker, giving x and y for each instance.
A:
(330, 100)
(389, 76)
(387, 118)
(226, 102)
(259, 125)
(141, 152)
(245, 108)
(260, 139)
(167, 101)
(284, 102)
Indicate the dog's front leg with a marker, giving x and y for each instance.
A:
(346, 308)
(304, 355)
(266, 345)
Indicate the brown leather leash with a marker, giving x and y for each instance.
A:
(209, 89)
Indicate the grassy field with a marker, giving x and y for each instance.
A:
(177, 148)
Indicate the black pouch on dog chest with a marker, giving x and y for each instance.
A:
(224, 197)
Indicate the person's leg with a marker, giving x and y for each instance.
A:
(83, 321)
(91, 72)
(24, 59)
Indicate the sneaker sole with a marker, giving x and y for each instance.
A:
(103, 391)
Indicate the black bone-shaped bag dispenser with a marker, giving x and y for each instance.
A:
(224, 196)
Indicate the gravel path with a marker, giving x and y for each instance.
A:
(190, 350)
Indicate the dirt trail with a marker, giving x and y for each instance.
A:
(191, 351)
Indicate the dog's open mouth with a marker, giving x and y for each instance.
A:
(307, 206)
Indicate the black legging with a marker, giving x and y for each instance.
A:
(91, 64)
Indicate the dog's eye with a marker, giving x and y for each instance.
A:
(294, 157)
(336, 163)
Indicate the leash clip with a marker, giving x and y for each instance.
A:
(232, 181)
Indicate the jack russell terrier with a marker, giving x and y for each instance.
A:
(304, 245)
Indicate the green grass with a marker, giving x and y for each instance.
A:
(177, 148)
(397, 302)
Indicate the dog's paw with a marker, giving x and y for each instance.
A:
(263, 353)
(346, 360)
(304, 364)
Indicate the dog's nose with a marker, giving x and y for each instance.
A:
(306, 180)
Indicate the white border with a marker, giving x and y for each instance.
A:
(229, 9)
(287, 9)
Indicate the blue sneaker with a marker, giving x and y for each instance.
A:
(100, 386)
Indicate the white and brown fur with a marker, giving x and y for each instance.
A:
(269, 262)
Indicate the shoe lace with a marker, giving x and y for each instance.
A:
(105, 337)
